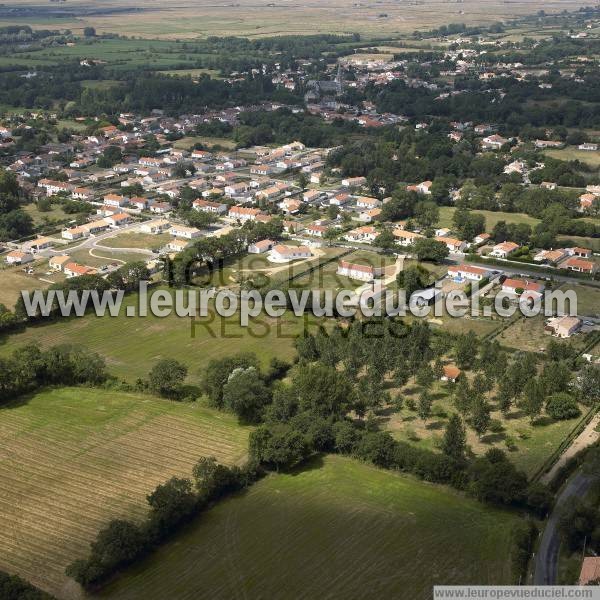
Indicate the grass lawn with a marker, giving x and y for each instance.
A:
(132, 239)
(14, 279)
(339, 529)
(131, 345)
(528, 334)
(74, 458)
(532, 443)
(588, 299)
(55, 215)
(101, 256)
(491, 217)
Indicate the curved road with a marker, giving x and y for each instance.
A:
(546, 560)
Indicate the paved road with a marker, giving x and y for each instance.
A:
(546, 560)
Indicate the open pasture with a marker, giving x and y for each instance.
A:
(338, 529)
(131, 345)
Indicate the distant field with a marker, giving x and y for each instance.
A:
(572, 153)
(491, 217)
(586, 242)
(187, 142)
(131, 345)
(342, 529)
(71, 459)
(259, 18)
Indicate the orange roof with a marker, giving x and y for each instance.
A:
(590, 570)
(451, 371)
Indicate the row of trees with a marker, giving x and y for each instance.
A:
(171, 504)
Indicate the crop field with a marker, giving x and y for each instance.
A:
(71, 459)
(151, 18)
(337, 529)
(530, 444)
(491, 217)
(131, 345)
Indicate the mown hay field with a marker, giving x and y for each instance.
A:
(71, 459)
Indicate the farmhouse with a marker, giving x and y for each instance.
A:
(355, 271)
(563, 327)
(281, 253)
(260, 247)
(504, 249)
(183, 231)
(482, 238)
(16, 257)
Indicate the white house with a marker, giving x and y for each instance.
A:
(182, 231)
(356, 271)
(260, 247)
(504, 249)
(512, 286)
(74, 233)
(16, 257)
(215, 208)
(155, 227)
(468, 272)
(281, 253)
(452, 244)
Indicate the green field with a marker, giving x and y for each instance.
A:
(340, 529)
(131, 345)
(74, 458)
(571, 153)
(491, 217)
